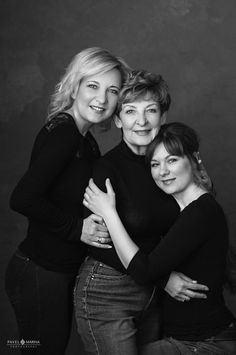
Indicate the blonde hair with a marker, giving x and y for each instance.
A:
(88, 62)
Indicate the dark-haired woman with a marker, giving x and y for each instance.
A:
(196, 245)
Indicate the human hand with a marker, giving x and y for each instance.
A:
(95, 233)
(181, 287)
(98, 201)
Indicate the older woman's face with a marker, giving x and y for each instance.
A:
(172, 173)
(140, 121)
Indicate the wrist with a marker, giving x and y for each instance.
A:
(110, 214)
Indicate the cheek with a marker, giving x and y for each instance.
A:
(156, 122)
(82, 98)
(155, 175)
(126, 125)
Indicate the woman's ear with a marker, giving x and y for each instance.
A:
(163, 118)
(75, 92)
(117, 121)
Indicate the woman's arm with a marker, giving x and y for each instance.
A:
(125, 247)
(146, 268)
(51, 154)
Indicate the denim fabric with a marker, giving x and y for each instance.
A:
(221, 344)
(113, 313)
(43, 304)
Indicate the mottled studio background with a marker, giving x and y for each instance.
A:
(191, 42)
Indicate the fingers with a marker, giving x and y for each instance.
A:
(182, 298)
(101, 242)
(97, 219)
(186, 278)
(192, 294)
(97, 241)
(104, 235)
(100, 245)
(197, 287)
(93, 187)
(109, 187)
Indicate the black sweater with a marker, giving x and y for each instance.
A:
(146, 212)
(197, 246)
(50, 194)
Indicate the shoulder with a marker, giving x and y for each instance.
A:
(61, 129)
(58, 134)
(208, 205)
(61, 119)
(207, 211)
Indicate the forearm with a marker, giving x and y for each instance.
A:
(125, 247)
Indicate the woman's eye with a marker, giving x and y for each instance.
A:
(129, 112)
(154, 165)
(172, 160)
(152, 110)
(92, 86)
(114, 91)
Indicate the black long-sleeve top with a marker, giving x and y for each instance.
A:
(50, 194)
(197, 246)
(146, 212)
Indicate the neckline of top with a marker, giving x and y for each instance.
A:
(125, 150)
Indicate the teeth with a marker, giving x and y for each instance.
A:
(96, 108)
(142, 133)
(167, 182)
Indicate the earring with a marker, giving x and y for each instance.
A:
(198, 158)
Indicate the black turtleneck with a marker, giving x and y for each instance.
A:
(146, 212)
(50, 194)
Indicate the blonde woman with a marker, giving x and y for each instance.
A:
(40, 276)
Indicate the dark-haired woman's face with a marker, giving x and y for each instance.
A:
(172, 173)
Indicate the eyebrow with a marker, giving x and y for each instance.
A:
(130, 105)
(169, 155)
(97, 82)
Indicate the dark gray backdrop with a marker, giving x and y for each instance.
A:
(190, 42)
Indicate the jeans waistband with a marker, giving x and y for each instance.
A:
(229, 333)
(21, 255)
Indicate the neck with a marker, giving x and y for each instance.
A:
(139, 150)
(82, 125)
(190, 194)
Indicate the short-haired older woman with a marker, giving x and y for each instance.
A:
(40, 276)
(196, 244)
(114, 314)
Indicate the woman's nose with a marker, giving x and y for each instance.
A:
(141, 119)
(101, 97)
(164, 169)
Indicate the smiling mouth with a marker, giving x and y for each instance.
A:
(167, 181)
(97, 108)
(143, 133)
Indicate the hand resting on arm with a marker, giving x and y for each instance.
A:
(103, 204)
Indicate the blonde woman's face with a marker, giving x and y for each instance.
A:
(96, 98)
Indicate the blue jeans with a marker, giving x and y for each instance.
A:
(221, 344)
(113, 314)
(43, 304)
